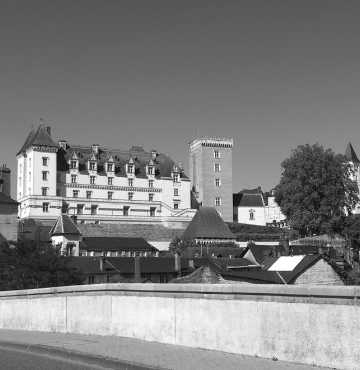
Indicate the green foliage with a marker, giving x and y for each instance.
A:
(316, 191)
(28, 265)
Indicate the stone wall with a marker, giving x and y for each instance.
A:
(313, 325)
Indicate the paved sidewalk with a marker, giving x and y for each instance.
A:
(154, 355)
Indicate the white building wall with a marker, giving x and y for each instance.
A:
(243, 215)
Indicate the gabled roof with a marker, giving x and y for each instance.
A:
(5, 199)
(207, 224)
(64, 226)
(258, 253)
(351, 155)
(116, 244)
(38, 137)
(249, 198)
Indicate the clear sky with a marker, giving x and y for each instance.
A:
(270, 74)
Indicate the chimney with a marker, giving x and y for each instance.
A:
(95, 148)
(62, 144)
(137, 270)
(154, 154)
(48, 130)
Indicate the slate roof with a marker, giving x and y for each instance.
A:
(38, 137)
(64, 226)
(258, 252)
(163, 164)
(351, 155)
(249, 198)
(5, 199)
(207, 224)
(116, 244)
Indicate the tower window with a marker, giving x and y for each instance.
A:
(176, 192)
(217, 182)
(88, 194)
(73, 179)
(151, 183)
(151, 197)
(44, 192)
(80, 209)
(130, 196)
(75, 193)
(94, 209)
(217, 201)
(131, 182)
(45, 207)
(152, 211)
(45, 161)
(217, 167)
(176, 205)
(92, 180)
(110, 180)
(45, 175)
(126, 211)
(110, 195)
(216, 154)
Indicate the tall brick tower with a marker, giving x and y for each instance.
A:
(211, 173)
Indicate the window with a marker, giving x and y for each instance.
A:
(176, 192)
(150, 170)
(152, 211)
(151, 183)
(88, 194)
(151, 197)
(251, 215)
(73, 164)
(44, 175)
(44, 192)
(45, 161)
(110, 195)
(130, 168)
(92, 180)
(218, 201)
(176, 177)
(110, 180)
(91, 279)
(131, 182)
(130, 196)
(75, 193)
(216, 154)
(176, 205)
(217, 167)
(94, 209)
(45, 207)
(109, 167)
(217, 182)
(92, 166)
(126, 210)
(73, 179)
(80, 209)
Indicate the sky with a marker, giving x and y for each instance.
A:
(270, 74)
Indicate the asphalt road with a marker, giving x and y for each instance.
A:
(33, 359)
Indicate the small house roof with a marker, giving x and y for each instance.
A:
(64, 225)
(116, 244)
(207, 224)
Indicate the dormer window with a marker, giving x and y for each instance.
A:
(110, 167)
(92, 166)
(73, 164)
(176, 177)
(130, 168)
(151, 170)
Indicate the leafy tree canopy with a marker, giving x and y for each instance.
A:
(316, 191)
(28, 265)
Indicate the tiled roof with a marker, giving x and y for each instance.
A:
(248, 200)
(64, 226)
(38, 137)
(351, 155)
(116, 244)
(163, 163)
(5, 199)
(207, 224)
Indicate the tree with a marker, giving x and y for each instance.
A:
(316, 191)
(29, 265)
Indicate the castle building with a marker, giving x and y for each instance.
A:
(210, 170)
(94, 184)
